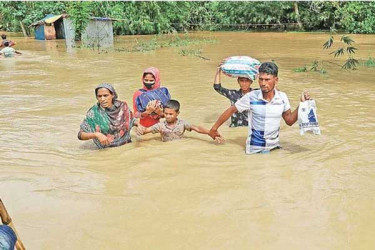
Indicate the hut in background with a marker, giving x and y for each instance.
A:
(98, 33)
(52, 27)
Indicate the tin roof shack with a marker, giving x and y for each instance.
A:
(53, 27)
(98, 33)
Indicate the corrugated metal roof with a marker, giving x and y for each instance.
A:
(52, 19)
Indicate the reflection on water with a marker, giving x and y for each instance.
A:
(316, 192)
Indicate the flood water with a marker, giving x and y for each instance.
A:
(317, 192)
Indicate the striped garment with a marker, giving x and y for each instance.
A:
(264, 120)
(7, 238)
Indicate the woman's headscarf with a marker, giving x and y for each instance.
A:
(114, 122)
(109, 87)
(156, 73)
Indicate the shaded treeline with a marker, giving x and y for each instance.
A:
(166, 17)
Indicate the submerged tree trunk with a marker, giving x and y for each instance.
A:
(297, 15)
(23, 29)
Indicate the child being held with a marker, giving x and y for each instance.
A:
(173, 128)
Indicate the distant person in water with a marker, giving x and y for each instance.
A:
(237, 118)
(267, 106)
(4, 40)
(109, 121)
(8, 51)
(154, 110)
(172, 128)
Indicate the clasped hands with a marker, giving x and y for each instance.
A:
(154, 106)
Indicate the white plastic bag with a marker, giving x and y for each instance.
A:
(307, 118)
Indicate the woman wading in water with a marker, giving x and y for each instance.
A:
(109, 121)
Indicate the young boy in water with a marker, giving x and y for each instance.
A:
(238, 118)
(173, 128)
(4, 40)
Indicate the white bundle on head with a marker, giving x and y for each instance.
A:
(240, 66)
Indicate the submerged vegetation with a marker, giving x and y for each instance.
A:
(346, 47)
(163, 41)
(369, 63)
(316, 66)
(192, 52)
(301, 69)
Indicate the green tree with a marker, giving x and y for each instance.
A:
(157, 17)
(358, 17)
(80, 13)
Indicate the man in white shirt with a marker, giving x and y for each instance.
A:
(265, 107)
(8, 51)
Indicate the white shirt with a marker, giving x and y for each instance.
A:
(264, 119)
(8, 51)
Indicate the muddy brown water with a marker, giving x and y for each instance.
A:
(317, 192)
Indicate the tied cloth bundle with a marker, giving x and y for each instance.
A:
(240, 66)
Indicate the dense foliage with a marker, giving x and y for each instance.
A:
(165, 17)
(80, 14)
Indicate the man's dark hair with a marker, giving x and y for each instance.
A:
(3, 36)
(269, 68)
(173, 104)
(6, 44)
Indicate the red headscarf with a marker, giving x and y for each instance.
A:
(148, 120)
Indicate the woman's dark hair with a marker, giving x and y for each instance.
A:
(3, 36)
(6, 44)
(173, 104)
(269, 68)
(146, 73)
(96, 90)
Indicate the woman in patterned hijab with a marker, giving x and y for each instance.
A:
(109, 121)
